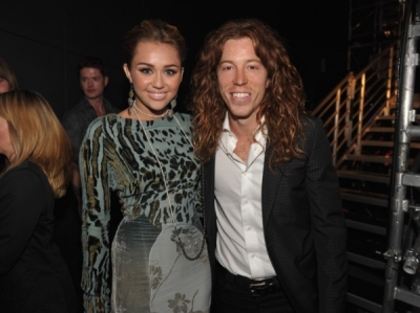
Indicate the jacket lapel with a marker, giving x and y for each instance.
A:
(208, 193)
(270, 187)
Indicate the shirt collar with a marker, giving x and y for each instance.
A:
(260, 133)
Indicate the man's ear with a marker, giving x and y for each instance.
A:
(127, 72)
(106, 80)
(182, 73)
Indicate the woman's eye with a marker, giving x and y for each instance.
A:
(145, 70)
(171, 72)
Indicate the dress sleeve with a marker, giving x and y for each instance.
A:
(328, 221)
(96, 217)
(22, 201)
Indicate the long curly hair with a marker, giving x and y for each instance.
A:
(282, 105)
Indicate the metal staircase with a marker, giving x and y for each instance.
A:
(362, 117)
(359, 120)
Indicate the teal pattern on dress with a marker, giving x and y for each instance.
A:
(150, 273)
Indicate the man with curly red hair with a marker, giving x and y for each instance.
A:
(276, 232)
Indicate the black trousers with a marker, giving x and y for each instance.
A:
(237, 294)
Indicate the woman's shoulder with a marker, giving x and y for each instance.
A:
(101, 122)
(25, 167)
(26, 175)
(184, 118)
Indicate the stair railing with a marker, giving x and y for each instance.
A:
(354, 104)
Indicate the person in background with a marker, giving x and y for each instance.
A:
(159, 254)
(276, 231)
(33, 275)
(93, 81)
(8, 82)
(8, 79)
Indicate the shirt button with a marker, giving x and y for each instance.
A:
(246, 201)
(248, 228)
(244, 173)
(253, 255)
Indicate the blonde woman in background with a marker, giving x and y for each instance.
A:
(33, 275)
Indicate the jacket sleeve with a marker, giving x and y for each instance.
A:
(96, 217)
(328, 221)
(22, 201)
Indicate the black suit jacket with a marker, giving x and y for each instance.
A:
(303, 224)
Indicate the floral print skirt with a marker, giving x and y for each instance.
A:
(152, 275)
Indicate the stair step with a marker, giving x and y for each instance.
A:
(366, 227)
(363, 303)
(375, 199)
(369, 158)
(390, 117)
(388, 144)
(381, 129)
(372, 158)
(372, 263)
(378, 143)
(364, 176)
(385, 117)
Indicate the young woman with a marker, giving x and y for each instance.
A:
(159, 255)
(33, 275)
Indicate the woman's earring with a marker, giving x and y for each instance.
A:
(130, 98)
(172, 105)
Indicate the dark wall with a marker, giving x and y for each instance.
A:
(43, 40)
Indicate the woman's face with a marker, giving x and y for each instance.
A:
(156, 74)
(6, 146)
(4, 85)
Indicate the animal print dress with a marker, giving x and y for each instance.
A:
(150, 271)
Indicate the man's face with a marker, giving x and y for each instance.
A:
(242, 79)
(92, 82)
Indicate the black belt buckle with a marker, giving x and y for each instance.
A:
(261, 288)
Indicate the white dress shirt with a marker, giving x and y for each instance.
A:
(241, 246)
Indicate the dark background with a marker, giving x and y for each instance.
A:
(43, 40)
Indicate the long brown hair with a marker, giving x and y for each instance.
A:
(283, 103)
(37, 136)
(154, 31)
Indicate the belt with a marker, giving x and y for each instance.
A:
(257, 287)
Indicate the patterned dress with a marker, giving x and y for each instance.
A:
(150, 270)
